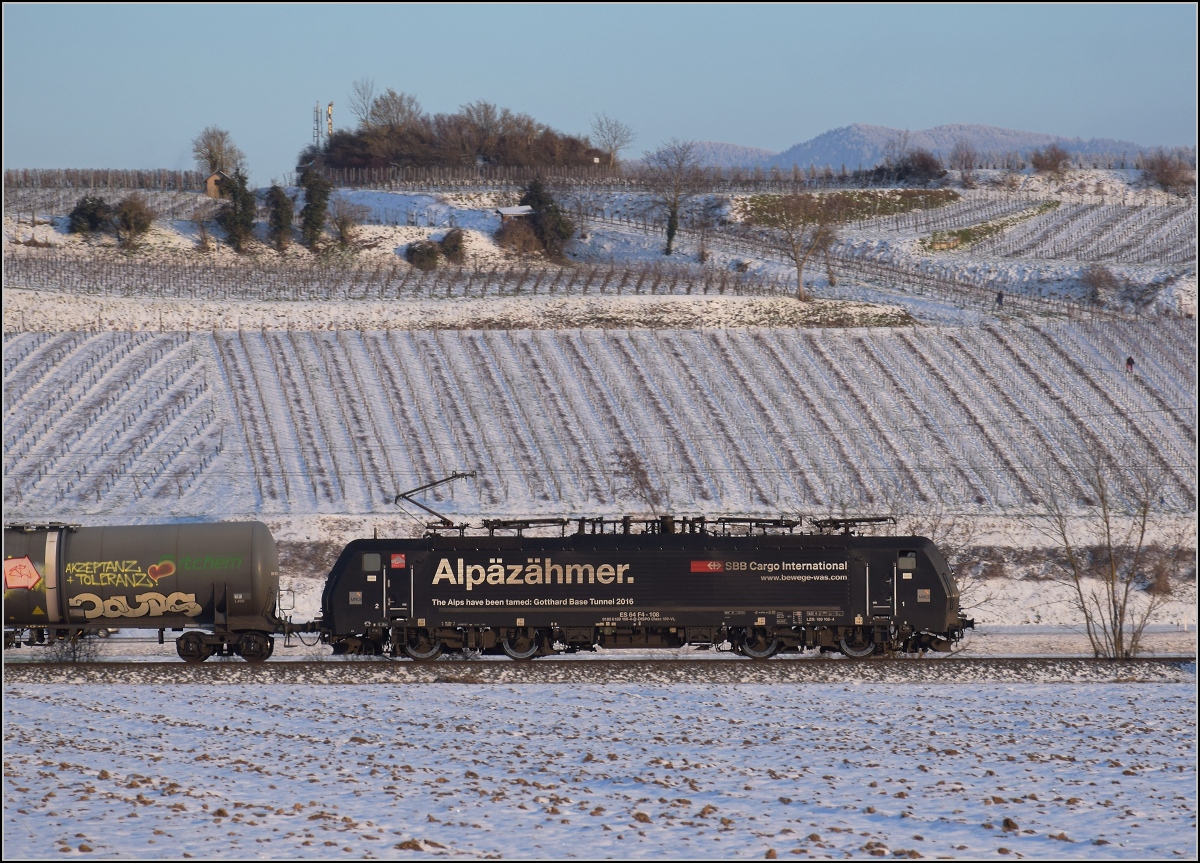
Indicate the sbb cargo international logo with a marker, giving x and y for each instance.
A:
(708, 566)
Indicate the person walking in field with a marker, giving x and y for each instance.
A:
(999, 299)
(1129, 365)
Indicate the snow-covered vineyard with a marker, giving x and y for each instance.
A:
(166, 383)
(759, 420)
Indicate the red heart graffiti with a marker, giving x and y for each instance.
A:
(161, 570)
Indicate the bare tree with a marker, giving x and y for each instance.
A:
(215, 151)
(612, 136)
(633, 479)
(1169, 172)
(1052, 160)
(1101, 521)
(1100, 283)
(895, 150)
(484, 122)
(393, 111)
(672, 175)
(702, 219)
(579, 201)
(203, 214)
(962, 159)
(346, 217)
(801, 226)
(362, 97)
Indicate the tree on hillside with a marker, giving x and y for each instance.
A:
(1051, 160)
(279, 226)
(801, 226)
(132, 218)
(393, 112)
(672, 175)
(579, 201)
(611, 136)
(91, 214)
(362, 94)
(346, 216)
(316, 201)
(1169, 172)
(236, 217)
(553, 228)
(215, 151)
(702, 219)
(962, 159)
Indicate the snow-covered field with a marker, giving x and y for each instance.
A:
(1085, 772)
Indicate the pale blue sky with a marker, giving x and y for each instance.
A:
(116, 86)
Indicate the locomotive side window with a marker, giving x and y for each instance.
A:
(907, 561)
(371, 561)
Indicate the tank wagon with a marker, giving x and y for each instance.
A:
(658, 583)
(217, 583)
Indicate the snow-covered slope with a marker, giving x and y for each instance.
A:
(309, 420)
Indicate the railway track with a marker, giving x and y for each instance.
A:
(575, 671)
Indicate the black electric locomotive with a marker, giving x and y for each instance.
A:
(658, 583)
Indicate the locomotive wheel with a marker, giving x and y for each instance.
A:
(523, 646)
(191, 648)
(757, 645)
(255, 647)
(857, 649)
(421, 647)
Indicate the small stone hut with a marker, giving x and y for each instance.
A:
(213, 183)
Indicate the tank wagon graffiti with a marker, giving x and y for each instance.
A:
(753, 586)
(217, 583)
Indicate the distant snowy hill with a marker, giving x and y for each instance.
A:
(714, 154)
(863, 146)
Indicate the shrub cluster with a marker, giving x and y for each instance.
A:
(133, 217)
(1051, 160)
(549, 224)
(394, 131)
(130, 218)
(454, 246)
(91, 214)
(518, 237)
(1169, 172)
(423, 255)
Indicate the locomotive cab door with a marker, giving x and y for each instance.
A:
(373, 597)
(881, 583)
(398, 587)
(907, 594)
